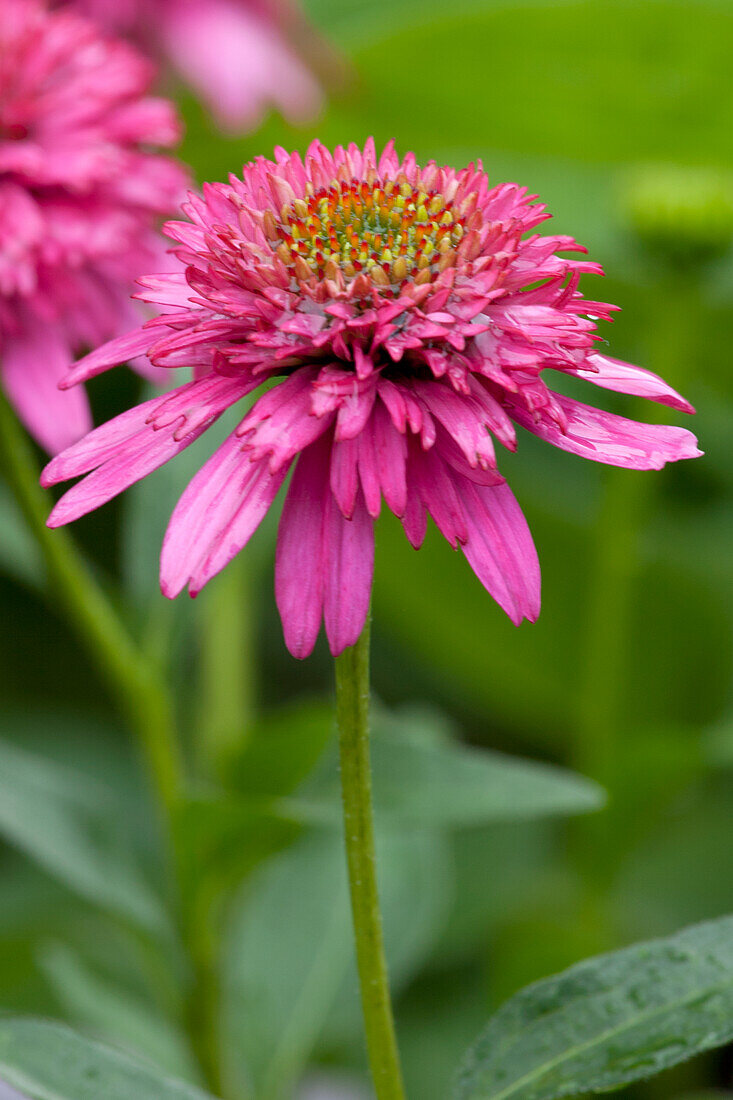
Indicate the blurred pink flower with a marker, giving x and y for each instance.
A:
(407, 321)
(79, 196)
(240, 55)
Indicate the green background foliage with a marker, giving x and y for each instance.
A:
(494, 873)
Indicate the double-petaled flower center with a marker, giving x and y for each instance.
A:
(390, 231)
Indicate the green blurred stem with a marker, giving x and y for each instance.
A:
(352, 714)
(226, 669)
(133, 680)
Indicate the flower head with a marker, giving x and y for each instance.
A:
(79, 196)
(241, 55)
(407, 316)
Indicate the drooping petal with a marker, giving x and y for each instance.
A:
(258, 493)
(100, 445)
(111, 354)
(281, 423)
(389, 449)
(415, 519)
(369, 474)
(463, 419)
(128, 448)
(205, 508)
(499, 548)
(299, 572)
(32, 364)
(613, 374)
(436, 489)
(345, 474)
(348, 566)
(606, 437)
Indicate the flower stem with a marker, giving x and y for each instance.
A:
(352, 713)
(133, 680)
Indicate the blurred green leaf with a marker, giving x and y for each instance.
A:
(709, 1095)
(498, 870)
(223, 839)
(718, 744)
(284, 746)
(672, 877)
(290, 949)
(49, 1062)
(444, 783)
(75, 830)
(436, 1018)
(113, 1013)
(608, 1021)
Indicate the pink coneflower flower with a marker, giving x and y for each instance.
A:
(406, 318)
(240, 55)
(79, 195)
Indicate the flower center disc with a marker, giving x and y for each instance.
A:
(390, 231)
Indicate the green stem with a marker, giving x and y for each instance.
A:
(135, 683)
(352, 713)
(226, 663)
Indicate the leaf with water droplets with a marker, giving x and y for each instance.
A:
(608, 1021)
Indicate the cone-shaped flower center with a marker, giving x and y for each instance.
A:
(391, 231)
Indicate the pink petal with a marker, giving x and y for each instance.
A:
(389, 448)
(415, 520)
(463, 418)
(369, 473)
(613, 374)
(239, 60)
(500, 549)
(99, 445)
(218, 512)
(32, 365)
(348, 566)
(356, 408)
(299, 574)
(432, 480)
(128, 450)
(119, 350)
(281, 424)
(606, 437)
(135, 460)
(344, 474)
(257, 496)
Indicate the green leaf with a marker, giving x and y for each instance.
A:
(92, 1000)
(74, 829)
(439, 781)
(290, 949)
(284, 747)
(49, 1062)
(608, 1021)
(223, 840)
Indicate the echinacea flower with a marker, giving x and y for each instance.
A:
(406, 319)
(80, 195)
(241, 55)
